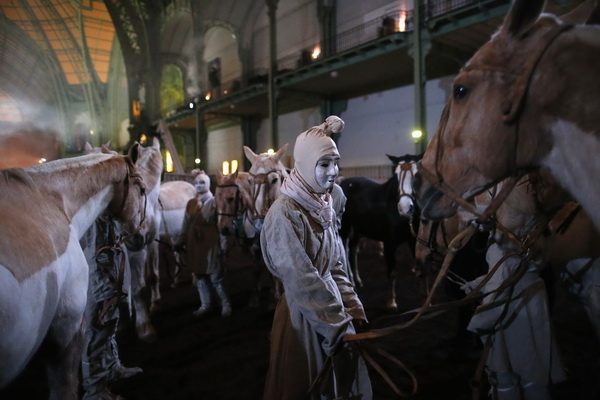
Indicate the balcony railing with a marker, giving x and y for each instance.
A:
(387, 24)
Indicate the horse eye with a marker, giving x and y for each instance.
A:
(274, 181)
(460, 92)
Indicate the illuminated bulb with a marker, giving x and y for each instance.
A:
(197, 161)
(91, 131)
(417, 134)
(168, 162)
(316, 52)
(270, 152)
(207, 97)
(234, 166)
(225, 167)
(191, 105)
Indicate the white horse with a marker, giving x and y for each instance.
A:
(44, 211)
(173, 198)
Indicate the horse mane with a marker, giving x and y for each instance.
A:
(18, 174)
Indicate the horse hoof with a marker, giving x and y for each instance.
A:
(154, 307)
(149, 337)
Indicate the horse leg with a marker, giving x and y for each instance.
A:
(389, 252)
(353, 259)
(139, 294)
(63, 345)
(152, 275)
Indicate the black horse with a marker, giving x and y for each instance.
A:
(372, 212)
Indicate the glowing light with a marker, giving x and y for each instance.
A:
(225, 91)
(191, 105)
(169, 162)
(143, 138)
(417, 134)
(207, 97)
(316, 52)
(402, 22)
(234, 166)
(270, 152)
(225, 167)
(91, 131)
(197, 161)
(42, 160)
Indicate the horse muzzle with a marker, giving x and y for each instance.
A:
(429, 199)
(136, 242)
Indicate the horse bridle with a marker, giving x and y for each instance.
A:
(405, 170)
(261, 179)
(133, 175)
(238, 198)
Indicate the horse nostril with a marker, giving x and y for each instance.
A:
(225, 231)
(136, 242)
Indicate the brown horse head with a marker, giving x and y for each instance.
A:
(266, 176)
(528, 91)
(232, 197)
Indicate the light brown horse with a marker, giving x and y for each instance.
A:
(143, 261)
(44, 212)
(266, 176)
(527, 98)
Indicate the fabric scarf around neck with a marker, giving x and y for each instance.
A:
(318, 205)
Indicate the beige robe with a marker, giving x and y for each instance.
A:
(200, 236)
(317, 307)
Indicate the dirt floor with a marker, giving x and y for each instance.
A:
(218, 358)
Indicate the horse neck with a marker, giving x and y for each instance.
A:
(81, 187)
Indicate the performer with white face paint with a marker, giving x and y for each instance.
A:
(200, 237)
(300, 247)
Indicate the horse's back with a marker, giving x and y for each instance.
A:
(175, 194)
(371, 210)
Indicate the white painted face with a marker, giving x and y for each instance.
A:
(326, 171)
(202, 183)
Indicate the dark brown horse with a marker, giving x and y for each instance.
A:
(372, 212)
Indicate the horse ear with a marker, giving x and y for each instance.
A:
(250, 154)
(279, 155)
(87, 147)
(394, 159)
(156, 143)
(521, 16)
(134, 152)
(219, 177)
(581, 14)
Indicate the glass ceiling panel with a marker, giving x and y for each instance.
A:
(9, 112)
(54, 25)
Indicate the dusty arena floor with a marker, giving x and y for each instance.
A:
(227, 358)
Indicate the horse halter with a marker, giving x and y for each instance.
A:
(133, 175)
(260, 180)
(404, 174)
(237, 203)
